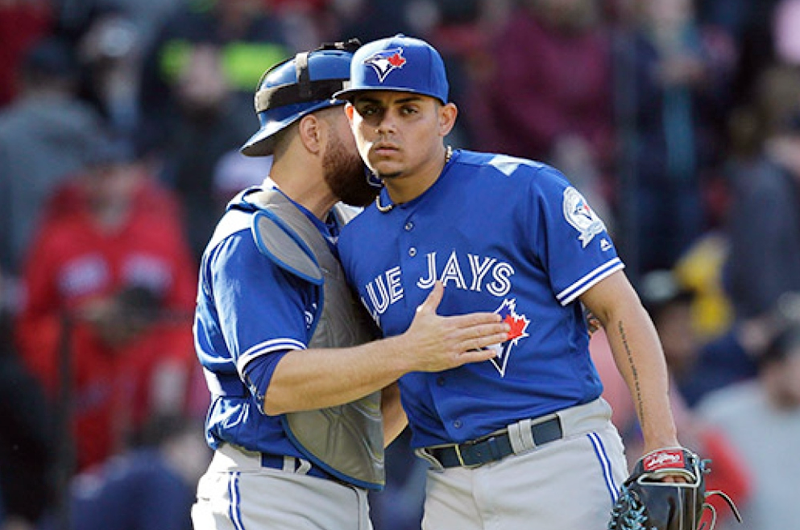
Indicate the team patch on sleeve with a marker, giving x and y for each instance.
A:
(581, 217)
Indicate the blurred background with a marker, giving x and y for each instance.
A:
(120, 123)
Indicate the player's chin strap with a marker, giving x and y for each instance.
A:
(710, 507)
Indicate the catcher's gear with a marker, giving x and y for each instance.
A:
(296, 87)
(648, 503)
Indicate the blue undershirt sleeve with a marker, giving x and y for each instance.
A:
(258, 374)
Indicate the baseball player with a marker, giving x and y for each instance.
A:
(522, 440)
(295, 417)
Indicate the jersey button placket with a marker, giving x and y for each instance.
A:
(408, 227)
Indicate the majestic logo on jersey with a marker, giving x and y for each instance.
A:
(519, 326)
(582, 218)
(386, 61)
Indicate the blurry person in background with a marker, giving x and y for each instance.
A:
(761, 418)
(150, 486)
(680, 89)
(550, 85)
(110, 52)
(44, 133)
(108, 290)
(546, 93)
(197, 96)
(26, 448)
(764, 179)
(204, 122)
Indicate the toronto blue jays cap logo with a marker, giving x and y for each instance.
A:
(418, 68)
(385, 61)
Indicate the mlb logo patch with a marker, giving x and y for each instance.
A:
(582, 218)
(386, 61)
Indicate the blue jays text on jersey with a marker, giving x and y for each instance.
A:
(502, 234)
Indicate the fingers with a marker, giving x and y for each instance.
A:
(443, 342)
(484, 338)
(431, 303)
(477, 356)
(675, 479)
(474, 319)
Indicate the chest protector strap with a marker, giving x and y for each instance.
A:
(346, 440)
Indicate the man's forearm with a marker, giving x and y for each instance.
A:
(640, 359)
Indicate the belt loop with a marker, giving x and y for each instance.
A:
(521, 436)
(426, 455)
(304, 467)
(289, 464)
(300, 466)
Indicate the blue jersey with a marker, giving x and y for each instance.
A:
(502, 234)
(250, 312)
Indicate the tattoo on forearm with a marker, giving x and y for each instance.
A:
(637, 390)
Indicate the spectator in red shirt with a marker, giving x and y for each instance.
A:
(109, 284)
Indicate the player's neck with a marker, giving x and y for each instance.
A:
(305, 185)
(405, 187)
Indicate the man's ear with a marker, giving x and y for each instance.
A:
(310, 131)
(349, 110)
(447, 118)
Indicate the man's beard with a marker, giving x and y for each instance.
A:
(346, 176)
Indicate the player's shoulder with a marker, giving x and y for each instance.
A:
(530, 177)
(502, 165)
(235, 224)
(232, 222)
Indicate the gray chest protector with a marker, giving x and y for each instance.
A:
(345, 440)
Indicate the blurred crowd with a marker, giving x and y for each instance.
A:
(120, 123)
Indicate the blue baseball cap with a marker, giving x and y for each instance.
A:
(400, 64)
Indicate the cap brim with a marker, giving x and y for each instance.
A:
(262, 143)
(346, 94)
(350, 93)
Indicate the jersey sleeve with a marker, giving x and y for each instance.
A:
(571, 239)
(262, 309)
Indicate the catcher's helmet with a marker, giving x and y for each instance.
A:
(399, 63)
(296, 87)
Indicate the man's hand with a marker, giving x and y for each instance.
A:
(666, 491)
(436, 343)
